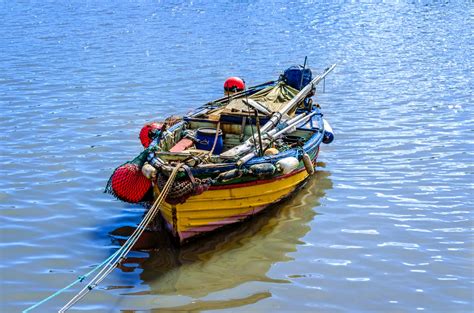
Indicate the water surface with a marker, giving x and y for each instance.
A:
(386, 224)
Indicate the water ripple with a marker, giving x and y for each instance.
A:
(388, 212)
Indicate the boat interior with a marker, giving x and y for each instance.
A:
(236, 119)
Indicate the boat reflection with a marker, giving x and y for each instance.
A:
(239, 254)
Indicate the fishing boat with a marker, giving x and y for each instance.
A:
(221, 164)
(230, 158)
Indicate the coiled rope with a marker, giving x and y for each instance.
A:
(115, 259)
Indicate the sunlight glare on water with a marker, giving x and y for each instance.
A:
(386, 224)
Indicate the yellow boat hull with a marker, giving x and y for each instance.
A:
(224, 205)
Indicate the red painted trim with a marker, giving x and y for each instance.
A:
(182, 145)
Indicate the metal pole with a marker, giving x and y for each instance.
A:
(302, 74)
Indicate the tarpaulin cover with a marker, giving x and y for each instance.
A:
(273, 98)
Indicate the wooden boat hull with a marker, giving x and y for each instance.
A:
(228, 160)
(228, 204)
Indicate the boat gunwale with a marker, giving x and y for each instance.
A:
(311, 143)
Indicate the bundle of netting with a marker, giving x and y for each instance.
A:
(128, 183)
(149, 132)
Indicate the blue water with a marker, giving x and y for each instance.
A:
(386, 224)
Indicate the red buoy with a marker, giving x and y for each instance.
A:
(234, 84)
(148, 131)
(129, 184)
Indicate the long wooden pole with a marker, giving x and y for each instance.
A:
(268, 140)
(277, 116)
(297, 99)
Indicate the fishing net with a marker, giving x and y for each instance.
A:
(128, 183)
(183, 188)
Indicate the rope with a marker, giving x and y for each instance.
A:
(80, 279)
(120, 256)
(109, 264)
(218, 129)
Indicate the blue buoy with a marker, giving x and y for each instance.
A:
(206, 137)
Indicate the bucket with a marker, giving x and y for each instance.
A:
(206, 136)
